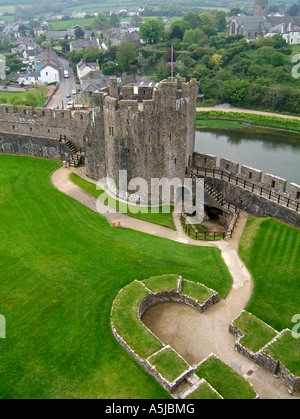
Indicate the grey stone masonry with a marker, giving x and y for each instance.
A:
(249, 190)
(294, 191)
(251, 174)
(149, 132)
(204, 160)
(275, 182)
(44, 123)
(229, 165)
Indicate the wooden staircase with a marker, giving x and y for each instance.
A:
(76, 154)
(220, 200)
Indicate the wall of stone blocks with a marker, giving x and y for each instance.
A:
(276, 183)
(254, 204)
(294, 191)
(150, 133)
(251, 174)
(44, 123)
(204, 160)
(229, 165)
(33, 146)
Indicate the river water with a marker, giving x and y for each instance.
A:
(266, 150)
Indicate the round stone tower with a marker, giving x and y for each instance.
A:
(261, 8)
(146, 132)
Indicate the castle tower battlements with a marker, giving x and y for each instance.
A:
(147, 131)
(261, 8)
(44, 123)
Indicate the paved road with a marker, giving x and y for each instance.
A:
(66, 86)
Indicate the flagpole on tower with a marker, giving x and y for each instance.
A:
(172, 63)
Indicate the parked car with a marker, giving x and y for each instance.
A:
(74, 92)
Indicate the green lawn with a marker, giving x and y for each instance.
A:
(256, 333)
(228, 383)
(61, 25)
(163, 217)
(260, 120)
(270, 250)
(61, 267)
(32, 97)
(216, 123)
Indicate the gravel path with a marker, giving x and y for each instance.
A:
(192, 334)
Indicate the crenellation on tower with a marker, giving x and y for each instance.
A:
(149, 131)
(261, 8)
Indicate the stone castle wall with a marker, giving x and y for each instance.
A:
(149, 132)
(33, 146)
(250, 190)
(45, 123)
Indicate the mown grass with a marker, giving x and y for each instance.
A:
(169, 364)
(32, 97)
(270, 250)
(163, 217)
(203, 392)
(257, 333)
(217, 123)
(287, 350)
(162, 283)
(196, 291)
(129, 326)
(61, 267)
(61, 25)
(228, 383)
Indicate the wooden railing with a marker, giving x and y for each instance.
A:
(252, 187)
(206, 234)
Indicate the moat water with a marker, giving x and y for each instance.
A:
(267, 150)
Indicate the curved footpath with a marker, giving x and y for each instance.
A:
(196, 335)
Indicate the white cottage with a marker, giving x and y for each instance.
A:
(288, 30)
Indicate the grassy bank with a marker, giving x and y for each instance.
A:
(62, 266)
(270, 250)
(32, 97)
(163, 217)
(266, 121)
(222, 124)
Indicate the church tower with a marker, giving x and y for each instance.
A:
(261, 8)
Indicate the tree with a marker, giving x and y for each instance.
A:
(79, 33)
(126, 54)
(277, 59)
(193, 19)
(220, 16)
(136, 21)
(189, 37)
(114, 21)
(208, 19)
(178, 29)
(152, 31)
